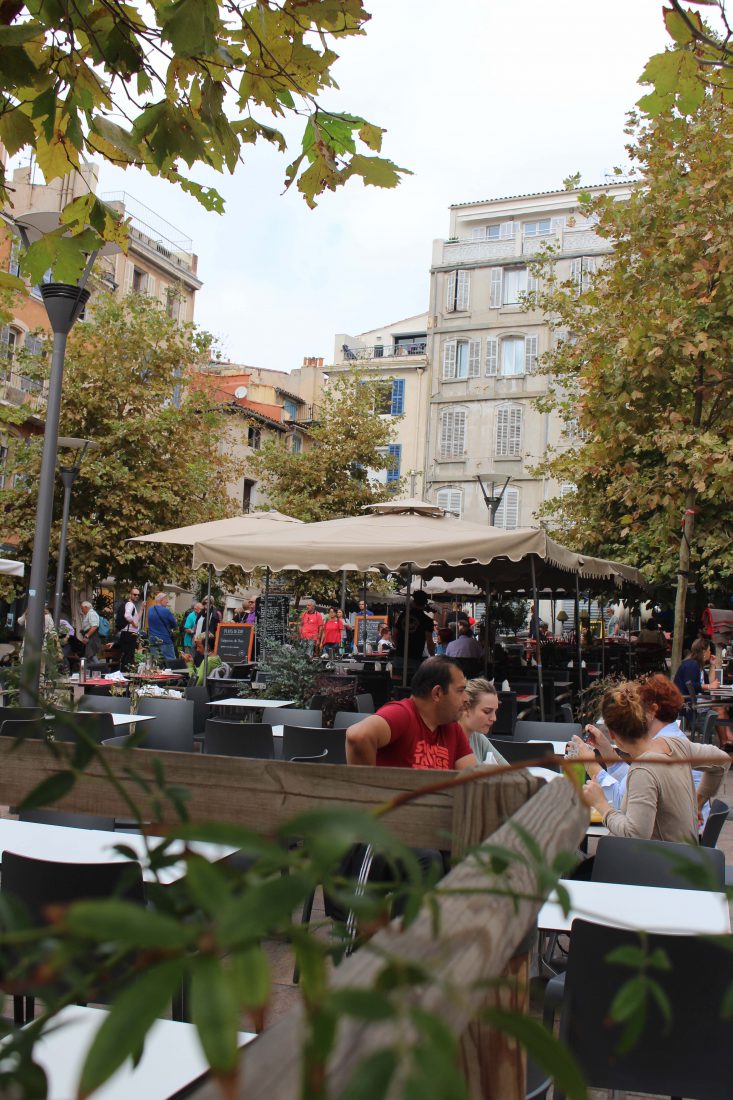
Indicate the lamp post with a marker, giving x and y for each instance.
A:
(64, 304)
(492, 499)
(69, 475)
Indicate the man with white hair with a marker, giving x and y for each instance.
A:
(311, 622)
(89, 632)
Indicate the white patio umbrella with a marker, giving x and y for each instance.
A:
(238, 526)
(9, 568)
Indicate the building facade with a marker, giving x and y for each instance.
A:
(395, 354)
(484, 342)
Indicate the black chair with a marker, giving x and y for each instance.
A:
(31, 729)
(276, 716)
(68, 726)
(346, 718)
(566, 712)
(68, 820)
(199, 696)
(160, 740)
(310, 741)
(39, 883)
(105, 704)
(516, 752)
(173, 720)
(506, 718)
(705, 726)
(665, 1059)
(550, 731)
(19, 714)
(364, 703)
(658, 863)
(717, 818)
(321, 756)
(252, 739)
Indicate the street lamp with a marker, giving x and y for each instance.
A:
(492, 499)
(64, 304)
(69, 475)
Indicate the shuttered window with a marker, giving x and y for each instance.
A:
(474, 358)
(581, 270)
(395, 455)
(457, 295)
(461, 359)
(492, 356)
(450, 499)
(449, 360)
(397, 405)
(507, 514)
(530, 354)
(512, 356)
(453, 424)
(509, 431)
(496, 281)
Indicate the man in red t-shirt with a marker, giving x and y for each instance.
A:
(419, 732)
(311, 622)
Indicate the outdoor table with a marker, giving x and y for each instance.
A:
(157, 677)
(251, 704)
(646, 908)
(67, 844)
(126, 719)
(558, 747)
(171, 1061)
(526, 698)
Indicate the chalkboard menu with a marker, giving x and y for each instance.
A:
(234, 642)
(374, 624)
(272, 621)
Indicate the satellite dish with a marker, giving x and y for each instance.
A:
(240, 392)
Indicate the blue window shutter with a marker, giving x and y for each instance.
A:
(395, 453)
(398, 397)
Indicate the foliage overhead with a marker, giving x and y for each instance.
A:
(701, 59)
(641, 368)
(169, 87)
(158, 464)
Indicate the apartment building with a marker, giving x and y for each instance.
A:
(484, 343)
(395, 354)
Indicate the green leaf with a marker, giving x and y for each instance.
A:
(372, 136)
(376, 171)
(128, 925)
(49, 790)
(12, 282)
(121, 139)
(206, 884)
(543, 1048)
(250, 973)
(190, 26)
(261, 909)
(629, 1000)
(371, 1077)
(18, 33)
(677, 27)
(123, 1032)
(215, 1013)
(16, 131)
(362, 1003)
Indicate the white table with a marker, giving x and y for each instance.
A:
(172, 1058)
(558, 747)
(69, 845)
(251, 704)
(127, 719)
(648, 908)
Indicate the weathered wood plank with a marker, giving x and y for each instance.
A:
(479, 934)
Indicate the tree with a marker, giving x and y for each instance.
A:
(701, 60)
(335, 476)
(169, 86)
(158, 466)
(643, 364)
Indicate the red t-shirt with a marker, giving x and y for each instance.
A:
(414, 745)
(332, 632)
(310, 624)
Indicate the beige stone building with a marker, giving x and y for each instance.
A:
(484, 344)
(396, 353)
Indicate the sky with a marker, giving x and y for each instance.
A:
(480, 99)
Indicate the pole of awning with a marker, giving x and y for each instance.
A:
(603, 641)
(578, 644)
(364, 598)
(487, 630)
(405, 647)
(538, 650)
(207, 620)
(343, 591)
(263, 637)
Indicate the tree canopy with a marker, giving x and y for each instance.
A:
(701, 60)
(171, 86)
(158, 466)
(641, 368)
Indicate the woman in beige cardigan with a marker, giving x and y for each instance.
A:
(661, 802)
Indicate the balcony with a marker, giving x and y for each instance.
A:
(306, 414)
(17, 390)
(379, 351)
(570, 240)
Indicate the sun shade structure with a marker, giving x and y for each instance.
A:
(10, 568)
(236, 526)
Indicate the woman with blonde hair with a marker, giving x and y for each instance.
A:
(479, 714)
(660, 802)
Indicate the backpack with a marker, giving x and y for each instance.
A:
(104, 628)
(120, 620)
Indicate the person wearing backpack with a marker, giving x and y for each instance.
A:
(127, 623)
(161, 625)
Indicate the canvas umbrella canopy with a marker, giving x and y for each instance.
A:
(239, 526)
(9, 568)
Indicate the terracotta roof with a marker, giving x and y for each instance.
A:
(539, 194)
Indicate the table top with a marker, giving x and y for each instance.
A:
(251, 704)
(558, 746)
(526, 698)
(651, 908)
(65, 844)
(171, 1060)
(127, 719)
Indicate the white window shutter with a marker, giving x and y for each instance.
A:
(515, 430)
(502, 431)
(532, 283)
(492, 356)
(495, 299)
(507, 514)
(530, 354)
(478, 233)
(558, 224)
(449, 360)
(450, 500)
(151, 287)
(576, 274)
(129, 275)
(450, 296)
(463, 288)
(446, 432)
(474, 358)
(459, 431)
(508, 230)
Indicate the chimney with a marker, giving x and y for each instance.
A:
(311, 361)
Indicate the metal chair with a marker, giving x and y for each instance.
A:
(515, 752)
(658, 863)
(705, 726)
(717, 818)
(550, 731)
(275, 716)
(566, 712)
(20, 714)
(29, 729)
(665, 1058)
(159, 740)
(310, 741)
(346, 718)
(199, 696)
(252, 739)
(105, 704)
(90, 724)
(173, 722)
(506, 718)
(364, 703)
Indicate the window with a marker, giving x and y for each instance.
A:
(3, 462)
(139, 280)
(394, 452)
(518, 355)
(453, 424)
(509, 431)
(461, 359)
(508, 284)
(290, 408)
(500, 231)
(397, 403)
(457, 296)
(254, 437)
(9, 341)
(538, 228)
(33, 345)
(450, 499)
(492, 356)
(507, 514)
(247, 488)
(581, 270)
(296, 444)
(568, 488)
(14, 258)
(512, 356)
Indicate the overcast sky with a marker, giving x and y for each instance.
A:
(480, 98)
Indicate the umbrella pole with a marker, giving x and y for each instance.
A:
(364, 598)
(262, 654)
(578, 644)
(487, 631)
(405, 647)
(343, 591)
(207, 621)
(603, 642)
(536, 603)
